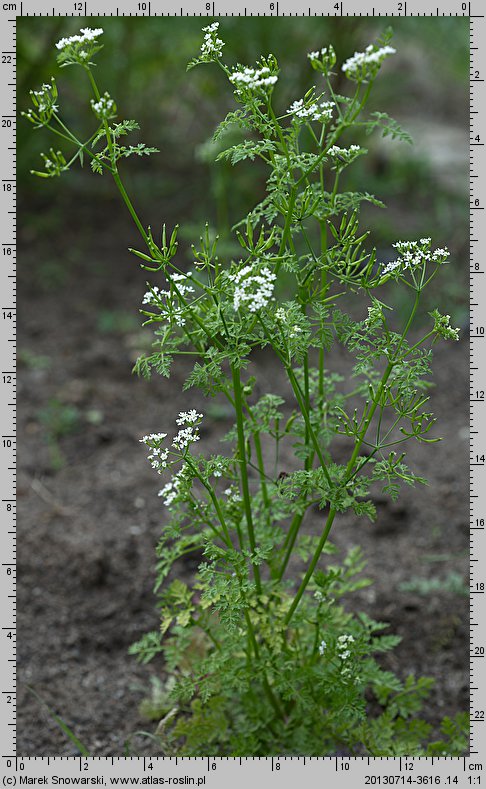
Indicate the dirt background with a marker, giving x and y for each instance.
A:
(88, 512)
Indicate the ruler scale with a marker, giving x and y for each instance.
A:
(271, 771)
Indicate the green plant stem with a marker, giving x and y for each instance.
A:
(136, 219)
(290, 541)
(301, 401)
(215, 502)
(243, 469)
(266, 685)
(261, 470)
(350, 466)
(312, 566)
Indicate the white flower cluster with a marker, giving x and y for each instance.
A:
(344, 653)
(55, 163)
(180, 281)
(254, 288)
(218, 469)
(314, 111)
(104, 108)
(212, 46)
(316, 55)
(170, 491)
(322, 647)
(232, 494)
(366, 63)
(343, 643)
(283, 317)
(185, 437)
(152, 296)
(323, 60)
(155, 297)
(442, 325)
(344, 154)
(87, 35)
(252, 79)
(189, 434)
(188, 417)
(158, 457)
(413, 254)
(45, 97)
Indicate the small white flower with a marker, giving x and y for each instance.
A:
(212, 46)
(171, 490)
(158, 457)
(313, 111)
(415, 253)
(104, 108)
(44, 101)
(188, 417)
(180, 281)
(252, 79)
(87, 34)
(363, 64)
(233, 494)
(150, 296)
(322, 647)
(253, 287)
(342, 646)
(185, 437)
(295, 330)
(169, 302)
(152, 437)
(218, 470)
(344, 153)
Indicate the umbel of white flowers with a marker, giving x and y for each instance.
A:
(87, 35)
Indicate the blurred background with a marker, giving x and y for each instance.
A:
(144, 68)
(88, 511)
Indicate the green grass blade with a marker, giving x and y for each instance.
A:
(62, 724)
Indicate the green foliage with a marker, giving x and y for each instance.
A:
(453, 583)
(260, 662)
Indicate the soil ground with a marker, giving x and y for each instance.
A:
(89, 516)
